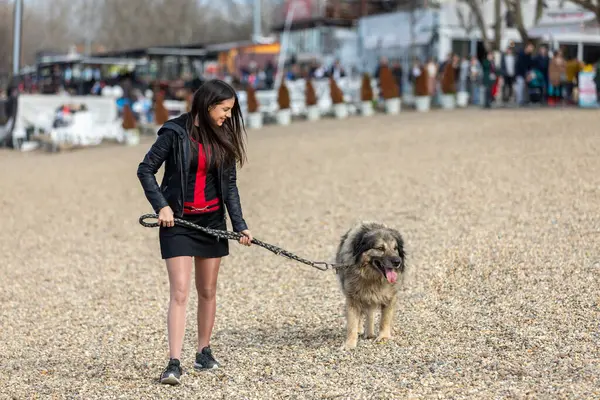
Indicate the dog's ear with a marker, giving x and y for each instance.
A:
(362, 242)
(400, 245)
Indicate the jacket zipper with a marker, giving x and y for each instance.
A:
(183, 175)
(221, 192)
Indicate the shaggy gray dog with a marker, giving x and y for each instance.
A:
(376, 255)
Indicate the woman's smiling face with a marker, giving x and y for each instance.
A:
(221, 111)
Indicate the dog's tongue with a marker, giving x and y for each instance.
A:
(391, 275)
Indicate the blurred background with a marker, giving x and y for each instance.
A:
(134, 50)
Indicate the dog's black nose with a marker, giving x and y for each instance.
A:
(396, 261)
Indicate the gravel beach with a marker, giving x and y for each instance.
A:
(500, 211)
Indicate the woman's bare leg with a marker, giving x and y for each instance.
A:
(207, 270)
(180, 273)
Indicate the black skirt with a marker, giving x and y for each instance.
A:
(180, 240)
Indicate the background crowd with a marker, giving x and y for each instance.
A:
(518, 75)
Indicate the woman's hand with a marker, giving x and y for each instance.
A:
(165, 217)
(247, 238)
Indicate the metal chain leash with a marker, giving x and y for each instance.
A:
(320, 265)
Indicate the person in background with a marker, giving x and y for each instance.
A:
(252, 77)
(336, 70)
(96, 90)
(383, 62)
(292, 73)
(432, 71)
(354, 72)
(535, 86)
(398, 72)
(312, 67)
(244, 74)
(440, 75)
(523, 66)
(269, 75)
(442, 65)
(508, 71)
(464, 74)
(573, 67)
(542, 63)
(414, 73)
(597, 79)
(556, 73)
(475, 79)
(489, 79)
(456, 67)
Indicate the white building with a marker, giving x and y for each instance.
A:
(562, 23)
(437, 32)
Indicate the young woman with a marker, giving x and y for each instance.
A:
(200, 150)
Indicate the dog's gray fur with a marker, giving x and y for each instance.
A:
(372, 249)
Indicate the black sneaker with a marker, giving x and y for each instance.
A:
(172, 374)
(205, 360)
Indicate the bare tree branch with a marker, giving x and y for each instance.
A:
(468, 22)
(497, 24)
(590, 5)
(44, 28)
(515, 7)
(539, 11)
(120, 25)
(6, 26)
(475, 7)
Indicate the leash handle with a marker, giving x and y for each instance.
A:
(214, 232)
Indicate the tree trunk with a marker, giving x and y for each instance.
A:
(497, 24)
(515, 7)
(476, 10)
(539, 11)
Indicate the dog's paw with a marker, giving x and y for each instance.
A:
(348, 345)
(370, 335)
(383, 337)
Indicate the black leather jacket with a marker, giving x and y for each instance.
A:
(172, 147)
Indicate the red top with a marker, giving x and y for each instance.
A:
(202, 195)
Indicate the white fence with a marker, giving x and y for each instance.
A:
(101, 120)
(267, 99)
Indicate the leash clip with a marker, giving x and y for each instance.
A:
(321, 265)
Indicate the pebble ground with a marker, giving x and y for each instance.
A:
(500, 211)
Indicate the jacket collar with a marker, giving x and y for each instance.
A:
(177, 124)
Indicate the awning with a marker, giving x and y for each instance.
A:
(556, 22)
(553, 30)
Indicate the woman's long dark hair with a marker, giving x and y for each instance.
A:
(223, 145)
